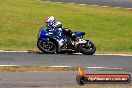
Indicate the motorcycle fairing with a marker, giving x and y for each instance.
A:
(78, 34)
(44, 35)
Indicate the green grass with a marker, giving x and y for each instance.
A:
(109, 28)
(33, 68)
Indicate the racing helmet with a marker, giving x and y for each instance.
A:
(50, 21)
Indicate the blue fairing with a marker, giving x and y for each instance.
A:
(79, 33)
(44, 39)
(42, 32)
(44, 35)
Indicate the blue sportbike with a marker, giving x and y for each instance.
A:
(50, 43)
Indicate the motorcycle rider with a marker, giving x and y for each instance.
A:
(56, 27)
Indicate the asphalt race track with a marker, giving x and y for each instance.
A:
(114, 65)
(36, 79)
(44, 80)
(112, 3)
(40, 59)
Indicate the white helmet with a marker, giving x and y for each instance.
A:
(49, 19)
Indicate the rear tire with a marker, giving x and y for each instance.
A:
(46, 47)
(81, 80)
(87, 49)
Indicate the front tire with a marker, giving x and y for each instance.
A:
(46, 47)
(88, 48)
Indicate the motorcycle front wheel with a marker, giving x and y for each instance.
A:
(46, 47)
(88, 48)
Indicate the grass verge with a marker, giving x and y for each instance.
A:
(109, 28)
(33, 68)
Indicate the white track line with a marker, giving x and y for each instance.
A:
(47, 1)
(61, 66)
(94, 5)
(129, 8)
(67, 67)
(14, 51)
(114, 54)
(1, 50)
(82, 4)
(8, 65)
(105, 6)
(74, 53)
(103, 68)
(71, 3)
(58, 2)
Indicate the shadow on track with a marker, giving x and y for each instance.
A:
(39, 52)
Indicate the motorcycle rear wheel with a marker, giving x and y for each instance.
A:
(87, 48)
